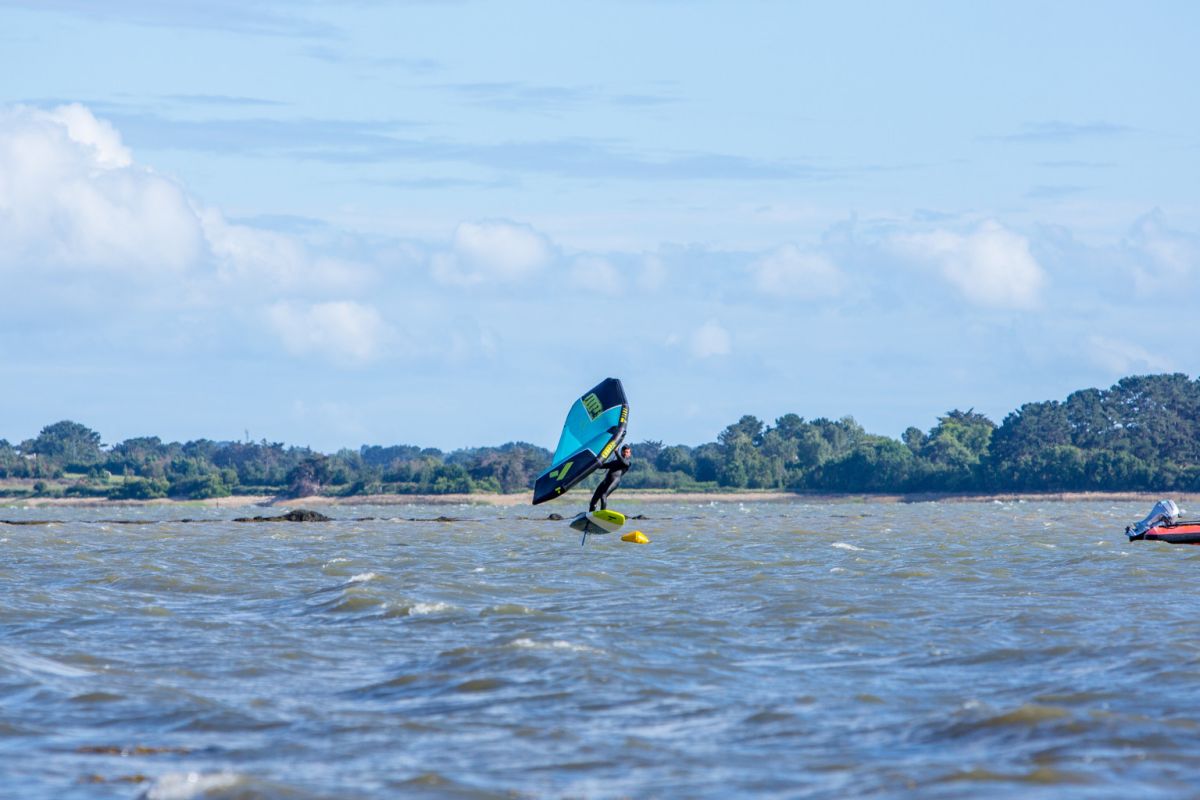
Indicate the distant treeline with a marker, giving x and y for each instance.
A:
(1142, 434)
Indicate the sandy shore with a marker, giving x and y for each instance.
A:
(625, 496)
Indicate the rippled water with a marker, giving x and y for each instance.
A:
(766, 650)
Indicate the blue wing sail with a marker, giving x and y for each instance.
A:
(595, 426)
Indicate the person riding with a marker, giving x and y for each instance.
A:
(617, 467)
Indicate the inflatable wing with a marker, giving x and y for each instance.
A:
(595, 426)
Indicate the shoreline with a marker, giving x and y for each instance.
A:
(630, 496)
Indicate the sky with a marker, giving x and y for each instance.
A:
(432, 222)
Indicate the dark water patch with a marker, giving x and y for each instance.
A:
(355, 604)
(356, 597)
(90, 698)
(1038, 776)
(475, 685)
(434, 786)
(131, 750)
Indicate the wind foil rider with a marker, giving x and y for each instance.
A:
(617, 467)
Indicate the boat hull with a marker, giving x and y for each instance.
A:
(1180, 533)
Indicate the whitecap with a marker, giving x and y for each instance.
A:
(847, 546)
(34, 665)
(363, 577)
(185, 786)
(417, 609)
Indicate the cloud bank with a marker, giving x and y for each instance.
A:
(75, 206)
(492, 252)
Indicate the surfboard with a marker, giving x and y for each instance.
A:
(602, 521)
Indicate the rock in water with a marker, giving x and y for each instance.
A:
(299, 515)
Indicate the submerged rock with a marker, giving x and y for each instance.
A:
(299, 515)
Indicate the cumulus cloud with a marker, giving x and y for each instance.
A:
(492, 252)
(71, 197)
(710, 339)
(78, 212)
(340, 331)
(83, 127)
(991, 266)
(792, 272)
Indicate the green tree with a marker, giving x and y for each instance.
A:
(449, 479)
(1117, 470)
(200, 486)
(307, 477)
(742, 464)
(676, 458)
(914, 439)
(1019, 440)
(951, 455)
(875, 464)
(68, 443)
(647, 451)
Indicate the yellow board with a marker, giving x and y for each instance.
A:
(602, 521)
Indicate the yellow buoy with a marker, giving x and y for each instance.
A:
(637, 537)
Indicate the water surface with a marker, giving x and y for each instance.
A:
(759, 650)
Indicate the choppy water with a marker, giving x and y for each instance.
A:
(765, 650)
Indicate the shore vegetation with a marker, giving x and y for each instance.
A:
(1140, 435)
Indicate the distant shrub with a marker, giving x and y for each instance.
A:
(139, 489)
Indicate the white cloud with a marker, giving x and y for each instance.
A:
(492, 252)
(73, 200)
(710, 339)
(80, 220)
(991, 266)
(793, 272)
(83, 127)
(1163, 258)
(597, 275)
(1124, 358)
(340, 331)
(71, 197)
(254, 257)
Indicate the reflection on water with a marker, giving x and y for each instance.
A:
(777, 650)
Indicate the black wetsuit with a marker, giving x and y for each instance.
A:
(616, 468)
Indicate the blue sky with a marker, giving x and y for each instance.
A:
(435, 223)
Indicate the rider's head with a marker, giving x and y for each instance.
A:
(627, 451)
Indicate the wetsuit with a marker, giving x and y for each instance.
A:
(616, 468)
